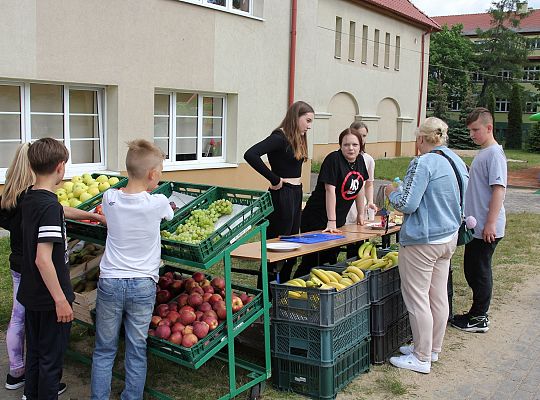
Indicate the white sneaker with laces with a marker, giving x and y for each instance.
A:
(409, 349)
(411, 362)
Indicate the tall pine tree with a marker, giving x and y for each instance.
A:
(515, 120)
(534, 139)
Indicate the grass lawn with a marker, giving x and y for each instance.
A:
(515, 258)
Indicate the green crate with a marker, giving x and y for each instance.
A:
(320, 382)
(94, 232)
(193, 354)
(305, 343)
(320, 307)
(257, 206)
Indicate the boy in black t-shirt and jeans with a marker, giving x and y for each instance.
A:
(45, 289)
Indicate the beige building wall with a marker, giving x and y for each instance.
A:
(346, 89)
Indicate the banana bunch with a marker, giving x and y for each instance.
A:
(326, 280)
(367, 250)
(373, 263)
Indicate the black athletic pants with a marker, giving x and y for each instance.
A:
(46, 344)
(478, 273)
(285, 220)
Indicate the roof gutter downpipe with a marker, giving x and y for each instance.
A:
(422, 63)
(292, 55)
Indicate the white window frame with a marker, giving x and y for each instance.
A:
(531, 73)
(227, 8)
(501, 105)
(505, 74)
(171, 163)
(26, 123)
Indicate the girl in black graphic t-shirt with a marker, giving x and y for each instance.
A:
(286, 148)
(341, 179)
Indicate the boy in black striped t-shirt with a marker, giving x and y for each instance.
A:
(45, 289)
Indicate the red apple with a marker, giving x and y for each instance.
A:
(176, 286)
(244, 297)
(200, 329)
(164, 282)
(208, 289)
(163, 296)
(212, 322)
(178, 327)
(169, 274)
(187, 330)
(205, 307)
(165, 321)
(195, 300)
(198, 276)
(206, 296)
(204, 283)
(173, 306)
(163, 332)
(176, 338)
(187, 317)
(186, 307)
(199, 315)
(210, 313)
(236, 303)
(154, 322)
(189, 340)
(218, 304)
(215, 298)
(173, 316)
(182, 299)
(190, 284)
(197, 289)
(162, 310)
(218, 282)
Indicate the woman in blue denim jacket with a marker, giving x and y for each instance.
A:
(430, 201)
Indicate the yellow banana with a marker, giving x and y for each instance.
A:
(367, 251)
(394, 259)
(316, 280)
(293, 283)
(334, 274)
(321, 275)
(373, 252)
(310, 283)
(331, 277)
(346, 281)
(352, 276)
(296, 295)
(362, 261)
(378, 265)
(324, 286)
(366, 264)
(355, 270)
(337, 285)
(361, 249)
(300, 281)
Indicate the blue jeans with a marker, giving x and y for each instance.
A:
(131, 302)
(15, 332)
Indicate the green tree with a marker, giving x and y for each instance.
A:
(534, 139)
(440, 101)
(515, 120)
(458, 133)
(501, 47)
(450, 54)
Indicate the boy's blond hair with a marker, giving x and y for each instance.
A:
(142, 157)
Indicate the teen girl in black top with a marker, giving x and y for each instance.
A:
(286, 148)
(341, 179)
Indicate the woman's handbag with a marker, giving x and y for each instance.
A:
(465, 235)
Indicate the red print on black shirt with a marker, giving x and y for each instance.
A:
(352, 183)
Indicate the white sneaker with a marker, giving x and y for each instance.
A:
(409, 349)
(411, 362)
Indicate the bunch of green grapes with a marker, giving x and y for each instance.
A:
(200, 224)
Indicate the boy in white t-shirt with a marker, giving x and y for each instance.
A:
(129, 270)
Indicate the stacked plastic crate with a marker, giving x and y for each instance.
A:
(320, 338)
(390, 327)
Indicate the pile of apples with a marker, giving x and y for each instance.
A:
(82, 188)
(199, 308)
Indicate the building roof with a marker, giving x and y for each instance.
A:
(405, 9)
(470, 22)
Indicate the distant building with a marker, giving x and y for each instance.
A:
(529, 27)
(206, 79)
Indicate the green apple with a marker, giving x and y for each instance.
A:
(70, 195)
(68, 186)
(93, 190)
(103, 186)
(78, 191)
(76, 179)
(65, 203)
(74, 202)
(87, 178)
(61, 196)
(102, 178)
(113, 180)
(85, 196)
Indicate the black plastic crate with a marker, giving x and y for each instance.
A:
(305, 343)
(322, 308)
(387, 312)
(319, 382)
(383, 346)
(256, 206)
(384, 283)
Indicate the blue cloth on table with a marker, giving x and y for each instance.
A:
(311, 238)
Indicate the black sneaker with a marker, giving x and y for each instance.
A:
(472, 324)
(465, 316)
(13, 383)
(62, 387)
